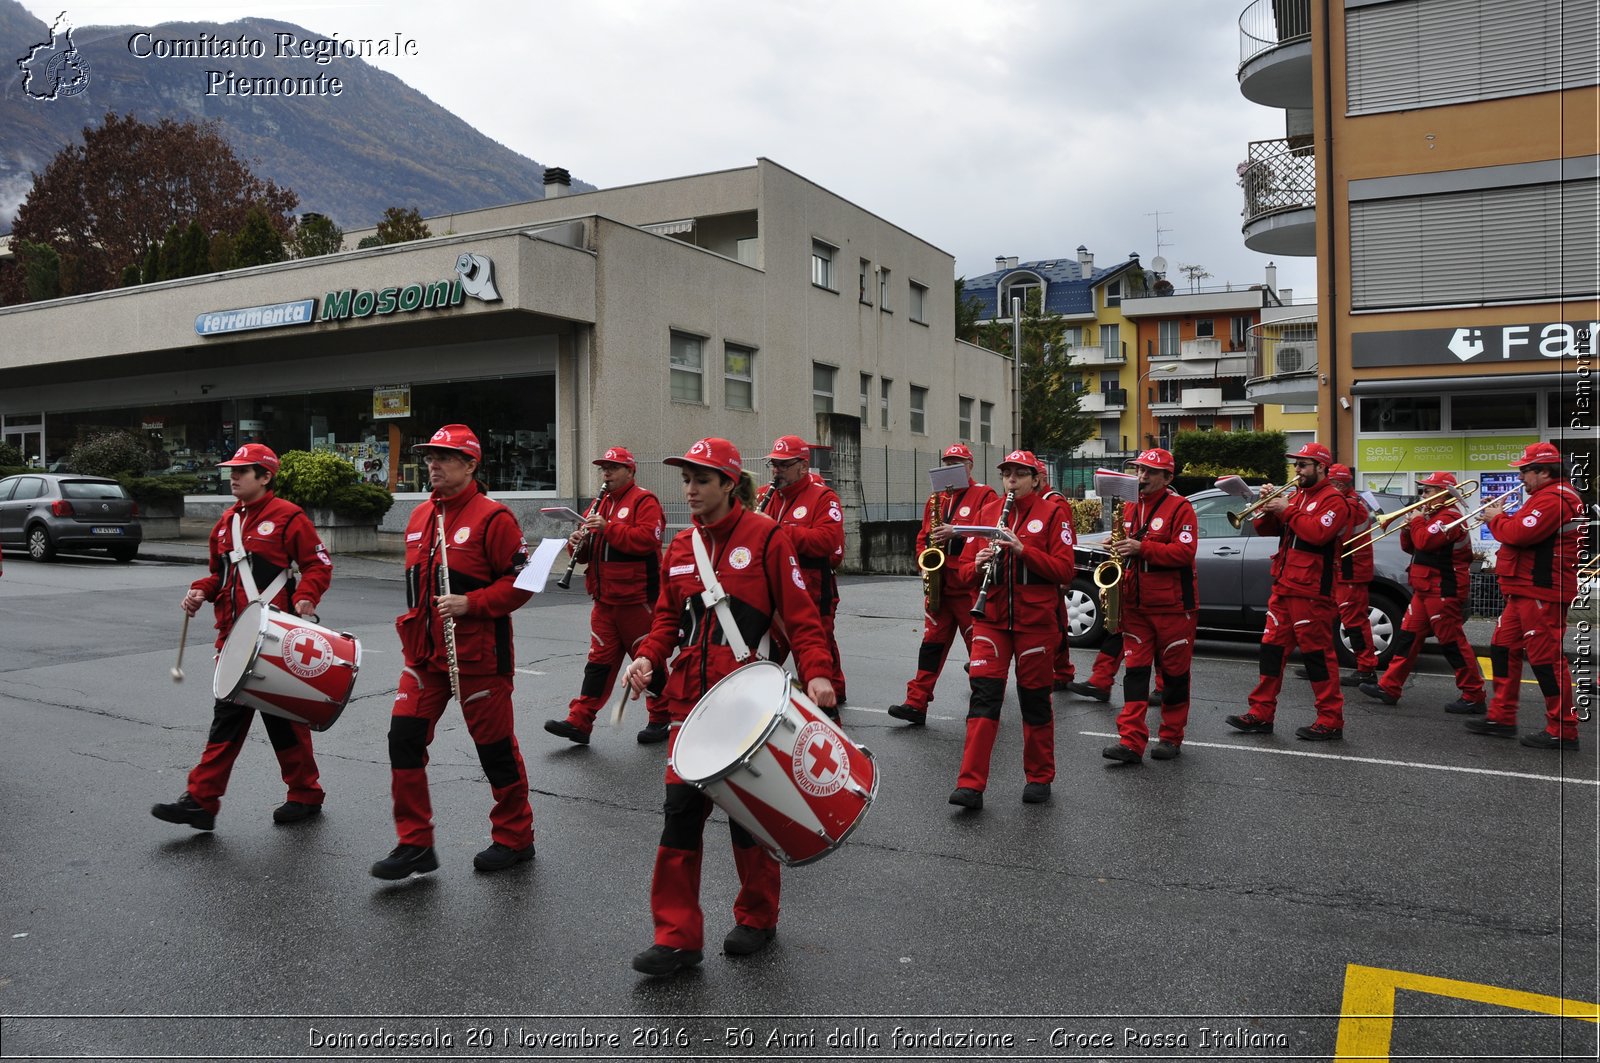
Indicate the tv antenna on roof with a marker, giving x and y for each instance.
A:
(1158, 263)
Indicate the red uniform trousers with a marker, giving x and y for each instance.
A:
(1442, 618)
(615, 631)
(1165, 640)
(837, 679)
(1308, 624)
(1107, 661)
(1355, 616)
(993, 650)
(1064, 672)
(675, 885)
(230, 723)
(486, 707)
(939, 631)
(1533, 628)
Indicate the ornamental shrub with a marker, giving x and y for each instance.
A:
(321, 479)
(10, 454)
(1259, 453)
(161, 490)
(110, 454)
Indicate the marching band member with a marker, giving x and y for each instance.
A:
(754, 561)
(621, 544)
(1440, 575)
(463, 640)
(1301, 611)
(808, 509)
(1031, 559)
(1537, 566)
(954, 613)
(1352, 584)
(1160, 610)
(272, 535)
(1064, 673)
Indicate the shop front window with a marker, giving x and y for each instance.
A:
(1401, 413)
(1493, 410)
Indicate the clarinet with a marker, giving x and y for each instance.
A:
(594, 507)
(766, 499)
(992, 569)
(449, 621)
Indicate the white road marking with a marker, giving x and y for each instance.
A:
(1368, 760)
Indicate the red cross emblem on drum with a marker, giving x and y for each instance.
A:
(820, 763)
(306, 653)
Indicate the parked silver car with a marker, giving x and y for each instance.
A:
(49, 511)
(1234, 568)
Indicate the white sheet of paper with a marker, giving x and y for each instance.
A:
(544, 557)
(562, 513)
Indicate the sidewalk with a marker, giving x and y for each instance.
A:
(192, 547)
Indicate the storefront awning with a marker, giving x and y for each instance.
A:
(1481, 382)
(670, 228)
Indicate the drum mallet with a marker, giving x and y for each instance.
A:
(183, 638)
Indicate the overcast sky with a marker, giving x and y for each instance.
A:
(1011, 127)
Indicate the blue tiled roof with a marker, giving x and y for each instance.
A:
(1067, 290)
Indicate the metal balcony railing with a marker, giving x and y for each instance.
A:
(1283, 350)
(1278, 175)
(1268, 23)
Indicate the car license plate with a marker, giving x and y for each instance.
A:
(105, 531)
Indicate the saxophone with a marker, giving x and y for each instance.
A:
(449, 621)
(1108, 574)
(931, 561)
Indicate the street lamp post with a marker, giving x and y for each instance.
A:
(1138, 387)
(1016, 373)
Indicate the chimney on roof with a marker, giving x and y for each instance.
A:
(557, 182)
(1286, 296)
(1011, 262)
(999, 262)
(1085, 260)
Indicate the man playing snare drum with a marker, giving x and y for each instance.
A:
(272, 534)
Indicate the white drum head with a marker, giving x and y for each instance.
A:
(730, 721)
(238, 652)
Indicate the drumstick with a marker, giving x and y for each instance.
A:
(622, 704)
(183, 637)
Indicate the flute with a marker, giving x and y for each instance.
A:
(992, 569)
(594, 507)
(449, 621)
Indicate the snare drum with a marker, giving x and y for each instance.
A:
(287, 666)
(762, 750)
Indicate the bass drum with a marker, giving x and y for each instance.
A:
(286, 665)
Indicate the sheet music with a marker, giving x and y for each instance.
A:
(533, 577)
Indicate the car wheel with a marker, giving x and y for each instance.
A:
(123, 553)
(1085, 626)
(40, 548)
(1384, 614)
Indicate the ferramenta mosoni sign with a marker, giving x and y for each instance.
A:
(474, 276)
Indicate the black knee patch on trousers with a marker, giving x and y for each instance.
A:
(685, 809)
(742, 839)
(1112, 646)
(1452, 655)
(1036, 709)
(1272, 659)
(594, 679)
(408, 742)
(929, 656)
(1136, 684)
(228, 722)
(1549, 685)
(1500, 661)
(1316, 665)
(280, 732)
(498, 763)
(1403, 640)
(1358, 641)
(987, 695)
(658, 682)
(1174, 688)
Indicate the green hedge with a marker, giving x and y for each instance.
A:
(1256, 453)
(161, 490)
(320, 479)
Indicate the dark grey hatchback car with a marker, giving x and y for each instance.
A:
(44, 512)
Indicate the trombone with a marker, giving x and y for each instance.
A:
(1477, 514)
(1383, 523)
(1249, 512)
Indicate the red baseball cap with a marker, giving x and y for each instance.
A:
(1024, 458)
(1315, 452)
(457, 437)
(1538, 454)
(253, 454)
(616, 456)
(1437, 479)
(1340, 472)
(1156, 458)
(712, 453)
(788, 448)
(957, 450)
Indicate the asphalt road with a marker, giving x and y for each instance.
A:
(1244, 901)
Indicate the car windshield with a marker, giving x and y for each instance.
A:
(91, 489)
(1212, 513)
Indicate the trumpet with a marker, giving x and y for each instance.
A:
(1249, 512)
(992, 569)
(1384, 523)
(594, 507)
(1466, 519)
(932, 560)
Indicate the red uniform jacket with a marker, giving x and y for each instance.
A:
(1161, 577)
(485, 551)
(1309, 536)
(275, 533)
(628, 568)
(957, 507)
(1357, 568)
(754, 560)
(1441, 561)
(809, 511)
(1539, 545)
(1025, 595)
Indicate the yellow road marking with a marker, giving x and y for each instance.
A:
(1366, 1018)
(1486, 667)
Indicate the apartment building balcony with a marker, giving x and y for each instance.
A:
(1201, 399)
(1275, 53)
(1098, 354)
(1207, 349)
(1104, 403)
(1285, 368)
(1280, 196)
